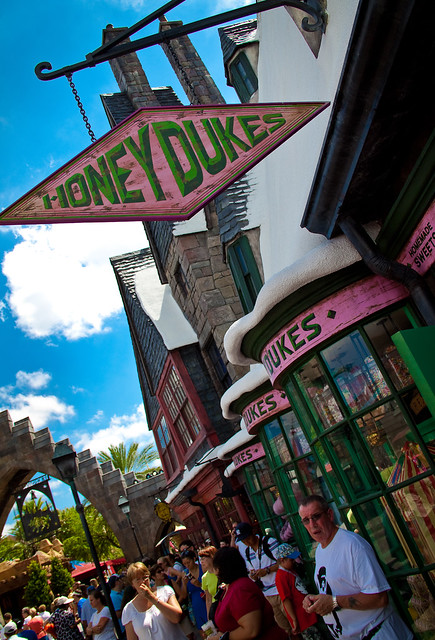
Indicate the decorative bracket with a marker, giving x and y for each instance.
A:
(114, 49)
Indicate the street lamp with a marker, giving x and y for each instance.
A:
(65, 461)
(124, 505)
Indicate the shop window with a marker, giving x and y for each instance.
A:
(173, 397)
(415, 502)
(295, 436)
(276, 442)
(388, 436)
(355, 372)
(245, 272)
(372, 436)
(380, 332)
(225, 513)
(316, 388)
(218, 364)
(384, 533)
(263, 493)
(198, 532)
(243, 77)
(358, 475)
(167, 453)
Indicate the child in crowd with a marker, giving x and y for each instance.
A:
(292, 591)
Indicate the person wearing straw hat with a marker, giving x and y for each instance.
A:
(353, 591)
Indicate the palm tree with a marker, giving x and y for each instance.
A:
(131, 458)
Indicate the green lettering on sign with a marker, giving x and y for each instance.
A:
(145, 159)
(191, 179)
(120, 175)
(212, 165)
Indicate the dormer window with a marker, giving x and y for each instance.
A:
(240, 50)
(243, 77)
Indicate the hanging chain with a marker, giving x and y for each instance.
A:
(80, 106)
(195, 99)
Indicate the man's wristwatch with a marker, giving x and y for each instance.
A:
(335, 605)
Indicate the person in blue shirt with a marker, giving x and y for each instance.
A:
(116, 586)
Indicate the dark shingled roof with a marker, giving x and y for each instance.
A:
(118, 105)
(231, 209)
(237, 35)
(149, 349)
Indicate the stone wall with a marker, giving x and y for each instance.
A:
(25, 452)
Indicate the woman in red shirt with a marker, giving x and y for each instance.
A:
(243, 612)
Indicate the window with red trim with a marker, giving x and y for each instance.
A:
(166, 447)
(181, 412)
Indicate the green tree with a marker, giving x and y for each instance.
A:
(60, 579)
(73, 536)
(38, 590)
(131, 458)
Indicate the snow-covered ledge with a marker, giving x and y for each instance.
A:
(330, 256)
(252, 380)
(160, 306)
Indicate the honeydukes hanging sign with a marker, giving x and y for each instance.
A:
(162, 164)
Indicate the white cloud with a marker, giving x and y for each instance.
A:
(98, 417)
(226, 5)
(60, 279)
(57, 486)
(34, 380)
(40, 409)
(126, 428)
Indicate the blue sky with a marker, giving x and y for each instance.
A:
(66, 355)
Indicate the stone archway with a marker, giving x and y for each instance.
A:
(24, 452)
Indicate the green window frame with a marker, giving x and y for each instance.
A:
(245, 272)
(356, 422)
(244, 79)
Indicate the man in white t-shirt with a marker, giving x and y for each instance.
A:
(353, 591)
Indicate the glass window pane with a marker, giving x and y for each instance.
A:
(295, 436)
(380, 333)
(355, 372)
(295, 487)
(183, 432)
(353, 461)
(277, 443)
(316, 389)
(311, 475)
(416, 503)
(420, 601)
(385, 535)
(328, 473)
(264, 474)
(390, 441)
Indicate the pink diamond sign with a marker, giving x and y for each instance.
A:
(162, 164)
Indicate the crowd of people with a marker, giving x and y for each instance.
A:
(252, 589)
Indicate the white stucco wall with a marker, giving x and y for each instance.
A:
(289, 72)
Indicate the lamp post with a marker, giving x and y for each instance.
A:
(65, 461)
(124, 505)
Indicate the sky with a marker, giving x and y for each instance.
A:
(66, 356)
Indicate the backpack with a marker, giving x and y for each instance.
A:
(264, 545)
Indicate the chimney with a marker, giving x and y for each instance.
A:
(192, 73)
(129, 73)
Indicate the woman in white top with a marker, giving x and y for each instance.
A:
(151, 615)
(101, 625)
